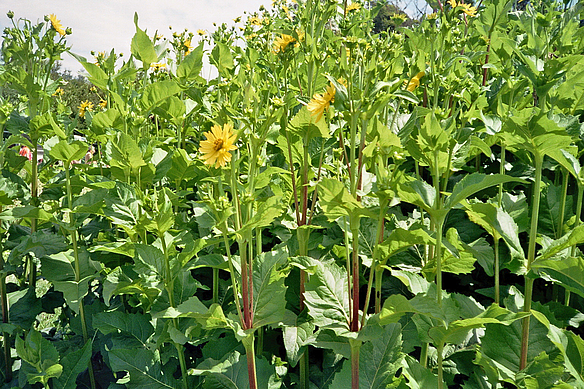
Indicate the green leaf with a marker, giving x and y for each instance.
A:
(45, 126)
(73, 364)
(190, 67)
(335, 199)
(419, 377)
(156, 93)
(134, 328)
(125, 153)
(222, 58)
(39, 243)
(269, 290)
(380, 359)
(496, 222)
(327, 297)
(142, 47)
(400, 240)
(265, 214)
(144, 368)
(328, 339)
(501, 344)
(569, 272)
(572, 238)
(234, 375)
(102, 121)
(295, 338)
(68, 152)
(60, 269)
(473, 183)
(40, 353)
(303, 125)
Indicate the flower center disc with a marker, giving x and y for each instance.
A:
(218, 144)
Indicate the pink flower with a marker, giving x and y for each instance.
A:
(25, 152)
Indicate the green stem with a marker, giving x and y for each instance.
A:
(530, 258)
(496, 270)
(440, 350)
(565, 176)
(424, 354)
(355, 273)
(378, 282)
(232, 273)
(183, 364)
(248, 343)
(215, 285)
(5, 335)
(355, 347)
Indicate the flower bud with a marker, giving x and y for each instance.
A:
(10, 14)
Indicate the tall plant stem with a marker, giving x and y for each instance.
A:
(578, 222)
(5, 335)
(215, 285)
(355, 347)
(440, 351)
(33, 222)
(303, 234)
(355, 278)
(78, 270)
(248, 343)
(563, 199)
(496, 271)
(373, 271)
(530, 258)
(378, 283)
(232, 273)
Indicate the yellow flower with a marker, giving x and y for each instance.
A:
(320, 102)
(237, 19)
(157, 66)
(216, 148)
(187, 46)
(353, 7)
(102, 103)
(201, 32)
(452, 3)
(415, 81)
(343, 82)
(282, 42)
(469, 10)
(432, 16)
(85, 106)
(254, 21)
(59, 92)
(56, 24)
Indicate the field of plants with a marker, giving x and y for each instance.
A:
(336, 208)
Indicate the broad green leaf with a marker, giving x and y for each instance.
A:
(68, 152)
(156, 93)
(303, 125)
(269, 290)
(533, 131)
(45, 126)
(496, 222)
(473, 183)
(413, 281)
(74, 364)
(24, 307)
(542, 372)
(328, 339)
(419, 377)
(41, 354)
(142, 47)
(457, 330)
(134, 328)
(182, 167)
(568, 272)
(295, 338)
(143, 366)
(190, 67)
(501, 344)
(150, 259)
(265, 214)
(380, 359)
(336, 200)
(327, 297)
(235, 376)
(102, 121)
(222, 58)
(572, 238)
(125, 153)
(400, 240)
(39, 243)
(60, 269)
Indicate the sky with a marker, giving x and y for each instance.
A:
(102, 25)
(105, 24)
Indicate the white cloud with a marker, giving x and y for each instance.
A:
(109, 24)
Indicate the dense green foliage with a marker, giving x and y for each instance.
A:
(334, 208)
